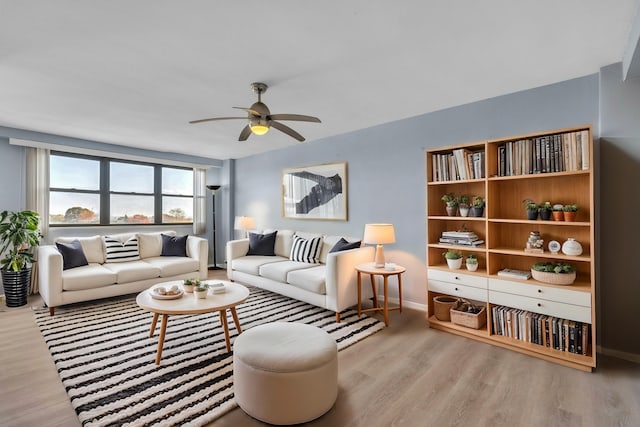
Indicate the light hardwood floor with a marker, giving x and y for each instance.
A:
(405, 375)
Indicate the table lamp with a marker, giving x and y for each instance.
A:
(244, 223)
(379, 234)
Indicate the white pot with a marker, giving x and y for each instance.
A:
(463, 211)
(454, 264)
(472, 267)
(572, 247)
(200, 295)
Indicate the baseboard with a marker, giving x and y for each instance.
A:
(408, 304)
(631, 357)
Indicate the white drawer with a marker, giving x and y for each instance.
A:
(455, 289)
(455, 277)
(542, 292)
(537, 305)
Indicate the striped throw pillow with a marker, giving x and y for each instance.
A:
(306, 250)
(118, 251)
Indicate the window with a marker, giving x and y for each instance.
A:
(88, 190)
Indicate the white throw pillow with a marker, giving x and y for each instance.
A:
(306, 250)
(119, 251)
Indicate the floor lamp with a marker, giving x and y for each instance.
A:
(213, 189)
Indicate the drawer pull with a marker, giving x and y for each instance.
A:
(539, 291)
(457, 289)
(539, 305)
(457, 278)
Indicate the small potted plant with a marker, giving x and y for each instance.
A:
(545, 211)
(454, 259)
(477, 206)
(570, 212)
(451, 202)
(557, 212)
(190, 284)
(531, 208)
(472, 262)
(463, 205)
(200, 291)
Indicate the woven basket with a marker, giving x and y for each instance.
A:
(469, 320)
(554, 278)
(441, 306)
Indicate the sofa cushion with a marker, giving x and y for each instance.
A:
(278, 270)
(133, 271)
(306, 250)
(252, 264)
(262, 244)
(150, 244)
(174, 245)
(173, 265)
(117, 250)
(284, 240)
(310, 279)
(343, 245)
(72, 254)
(90, 276)
(93, 247)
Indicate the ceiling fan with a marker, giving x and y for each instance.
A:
(260, 118)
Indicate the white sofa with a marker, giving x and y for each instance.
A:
(330, 284)
(102, 279)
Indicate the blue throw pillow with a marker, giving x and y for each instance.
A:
(174, 245)
(262, 244)
(343, 245)
(72, 254)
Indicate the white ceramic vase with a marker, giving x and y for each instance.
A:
(472, 267)
(454, 264)
(572, 247)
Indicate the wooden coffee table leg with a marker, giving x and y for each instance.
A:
(225, 326)
(163, 331)
(153, 324)
(235, 320)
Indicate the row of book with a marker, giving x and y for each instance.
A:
(464, 238)
(461, 164)
(553, 332)
(551, 153)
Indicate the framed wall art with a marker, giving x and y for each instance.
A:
(315, 192)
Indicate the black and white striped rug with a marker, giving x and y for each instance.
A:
(105, 357)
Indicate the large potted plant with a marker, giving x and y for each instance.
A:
(19, 234)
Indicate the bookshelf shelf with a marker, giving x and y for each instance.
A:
(554, 166)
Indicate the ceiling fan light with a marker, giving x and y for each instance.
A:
(259, 129)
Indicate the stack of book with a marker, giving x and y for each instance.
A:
(464, 238)
(516, 274)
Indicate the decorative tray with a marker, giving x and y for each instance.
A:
(156, 295)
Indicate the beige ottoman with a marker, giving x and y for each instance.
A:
(285, 373)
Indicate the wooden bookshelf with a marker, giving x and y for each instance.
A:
(504, 227)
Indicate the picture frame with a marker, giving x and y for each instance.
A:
(315, 192)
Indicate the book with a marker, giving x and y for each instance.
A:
(462, 234)
(517, 274)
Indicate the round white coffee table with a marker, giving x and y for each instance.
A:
(189, 304)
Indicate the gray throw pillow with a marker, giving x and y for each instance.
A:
(72, 254)
(343, 245)
(262, 244)
(174, 245)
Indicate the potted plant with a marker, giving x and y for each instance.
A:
(545, 211)
(454, 259)
(556, 273)
(190, 284)
(463, 205)
(531, 208)
(200, 291)
(472, 262)
(19, 235)
(570, 212)
(477, 206)
(451, 203)
(557, 212)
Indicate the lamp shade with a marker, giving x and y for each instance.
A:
(379, 234)
(244, 223)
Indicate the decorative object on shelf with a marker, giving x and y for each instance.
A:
(471, 262)
(558, 214)
(19, 235)
(463, 205)
(379, 234)
(572, 247)
(201, 290)
(570, 212)
(442, 305)
(545, 211)
(531, 208)
(534, 243)
(451, 202)
(244, 224)
(468, 315)
(477, 207)
(554, 246)
(315, 192)
(555, 273)
(190, 284)
(516, 274)
(454, 259)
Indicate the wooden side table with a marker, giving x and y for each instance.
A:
(370, 269)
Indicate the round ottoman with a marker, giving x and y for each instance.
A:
(285, 373)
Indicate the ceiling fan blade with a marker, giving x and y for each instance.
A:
(246, 132)
(296, 117)
(212, 119)
(287, 130)
(249, 110)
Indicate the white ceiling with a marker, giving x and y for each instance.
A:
(134, 72)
